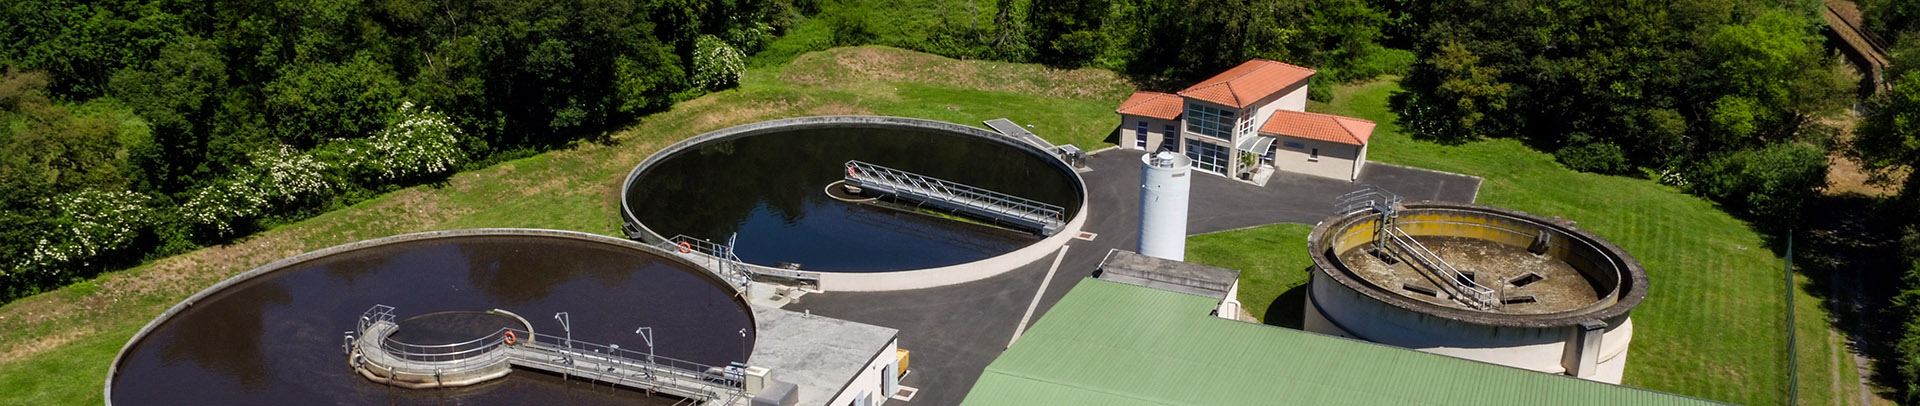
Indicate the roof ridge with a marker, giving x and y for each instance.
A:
(1229, 81)
(1336, 116)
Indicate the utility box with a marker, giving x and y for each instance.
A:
(755, 379)
(901, 355)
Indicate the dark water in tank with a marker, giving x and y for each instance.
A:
(769, 188)
(277, 339)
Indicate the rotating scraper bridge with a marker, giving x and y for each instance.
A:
(378, 357)
(956, 197)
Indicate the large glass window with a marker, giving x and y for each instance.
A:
(1171, 140)
(1208, 156)
(1210, 121)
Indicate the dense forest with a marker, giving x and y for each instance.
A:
(131, 129)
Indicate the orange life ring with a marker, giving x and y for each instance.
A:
(849, 171)
(510, 338)
(685, 247)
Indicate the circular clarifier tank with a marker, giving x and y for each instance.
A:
(1531, 292)
(275, 335)
(769, 184)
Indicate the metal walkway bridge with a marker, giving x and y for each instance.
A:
(381, 359)
(1021, 212)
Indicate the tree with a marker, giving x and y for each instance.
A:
(1066, 33)
(1888, 138)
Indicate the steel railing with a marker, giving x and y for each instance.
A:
(1477, 295)
(1046, 215)
(606, 363)
(729, 264)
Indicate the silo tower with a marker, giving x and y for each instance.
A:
(1164, 184)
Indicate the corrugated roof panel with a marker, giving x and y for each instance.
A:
(1111, 343)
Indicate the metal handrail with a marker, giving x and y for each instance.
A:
(554, 353)
(1481, 296)
(984, 199)
(423, 353)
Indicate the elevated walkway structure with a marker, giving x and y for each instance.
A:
(1072, 155)
(1046, 219)
(1390, 240)
(380, 359)
(720, 259)
(1008, 128)
(1860, 46)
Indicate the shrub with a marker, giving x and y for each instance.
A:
(278, 175)
(1771, 182)
(88, 225)
(421, 143)
(1584, 153)
(716, 65)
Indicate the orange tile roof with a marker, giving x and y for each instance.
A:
(1247, 83)
(1152, 104)
(1324, 127)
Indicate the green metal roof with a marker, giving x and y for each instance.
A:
(1115, 344)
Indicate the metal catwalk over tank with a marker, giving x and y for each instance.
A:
(1044, 218)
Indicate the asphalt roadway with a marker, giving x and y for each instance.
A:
(953, 332)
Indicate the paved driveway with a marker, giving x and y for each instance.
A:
(955, 331)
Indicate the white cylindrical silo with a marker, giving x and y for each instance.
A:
(1164, 185)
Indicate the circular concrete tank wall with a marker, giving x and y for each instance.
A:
(1564, 294)
(274, 335)
(766, 184)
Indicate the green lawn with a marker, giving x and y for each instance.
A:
(1710, 327)
(1273, 279)
(1713, 323)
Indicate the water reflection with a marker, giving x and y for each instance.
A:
(768, 188)
(278, 339)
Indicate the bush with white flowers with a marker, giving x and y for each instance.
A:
(88, 223)
(716, 65)
(280, 175)
(423, 143)
(285, 175)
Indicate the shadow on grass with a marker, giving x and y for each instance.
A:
(1847, 247)
(1289, 309)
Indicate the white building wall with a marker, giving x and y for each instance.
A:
(1333, 308)
(870, 379)
(1230, 308)
(1359, 164)
(1292, 99)
(1156, 132)
(1336, 160)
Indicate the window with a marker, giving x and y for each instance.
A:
(1171, 140)
(1295, 145)
(1208, 156)
(1210, 121)
(1140, 136)
(1246, 123)
(1314, 156)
